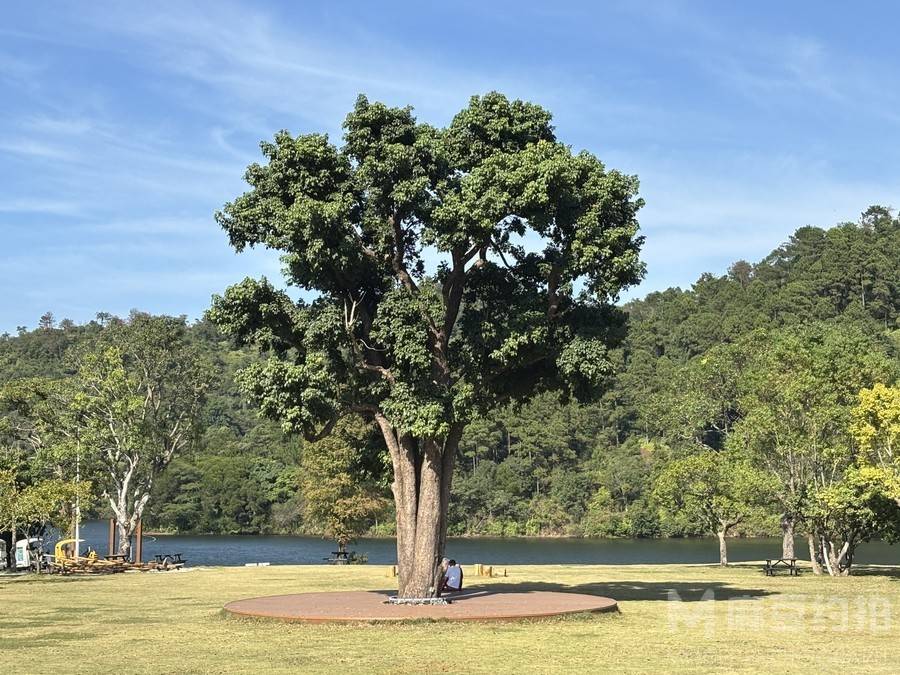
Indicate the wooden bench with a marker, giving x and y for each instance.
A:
(774, 564)
(167, 561)
(339, 558)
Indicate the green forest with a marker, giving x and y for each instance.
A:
(704, 376)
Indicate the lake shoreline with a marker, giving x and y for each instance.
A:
(239, 550)
(458, 537)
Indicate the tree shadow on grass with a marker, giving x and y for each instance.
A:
(25, 643)
(53, 578)
(617, 590)
(890, 572)
(624, 590)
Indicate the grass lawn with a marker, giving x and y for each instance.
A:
(172, 623)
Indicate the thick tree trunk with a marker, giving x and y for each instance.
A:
(405, 489)
(723, 548)
(813, 554)
(423, 581)
(423, 470)
(124, 538)
(787, 536)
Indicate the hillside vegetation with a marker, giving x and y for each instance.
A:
(548, 467)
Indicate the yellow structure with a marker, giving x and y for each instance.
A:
(60, 553)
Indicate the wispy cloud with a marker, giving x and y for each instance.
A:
(246, 57)
(33, 149)
(39, 206)
(124, 126)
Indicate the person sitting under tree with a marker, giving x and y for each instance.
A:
(453, 578)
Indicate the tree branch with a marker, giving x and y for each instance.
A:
(312, 437)
(552, 289)
(362, 363)
(399, 250)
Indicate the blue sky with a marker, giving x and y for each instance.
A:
(124, 126)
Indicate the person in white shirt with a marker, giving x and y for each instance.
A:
(453, 578)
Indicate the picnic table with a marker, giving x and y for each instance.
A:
(339, 557)
(774, 564)
(166, 560)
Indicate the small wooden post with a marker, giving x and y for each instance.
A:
(112, 536)
(139, 542)
(392, 571)
(489, 571)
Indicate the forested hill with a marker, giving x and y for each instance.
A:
(852, 269)
(590, 470)
(545, 467)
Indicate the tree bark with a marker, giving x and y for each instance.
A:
(449, 463)
(405, 489)
(828, 557)
(429, 522)
(124, 538)
(126, 522)
(723, 548)
(423, 471)
(831, 560)
(837, 562)
(787, 536)
(813, 554)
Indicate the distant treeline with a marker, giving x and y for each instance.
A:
(547, 467)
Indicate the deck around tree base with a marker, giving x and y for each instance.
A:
(478, 604)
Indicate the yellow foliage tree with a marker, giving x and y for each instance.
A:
(876, 430)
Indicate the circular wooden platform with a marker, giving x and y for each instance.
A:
(474, 605)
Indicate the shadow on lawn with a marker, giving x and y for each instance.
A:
(891, 572)
(623, 590)
(25, 642)
(618, 590)
(33, 578)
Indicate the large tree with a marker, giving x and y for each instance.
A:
(715, 490)
(132, 403)
(43, 454)
(876, 430)
(25, 505)
(453, 270)
(798, 393)
(140, 393)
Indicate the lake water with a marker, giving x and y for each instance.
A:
(287, 550)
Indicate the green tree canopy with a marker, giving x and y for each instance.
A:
(455, 269)
(798, 393)
(717, 490)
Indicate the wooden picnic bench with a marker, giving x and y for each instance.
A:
(339, 557)
(774, 564)
(169, 560)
